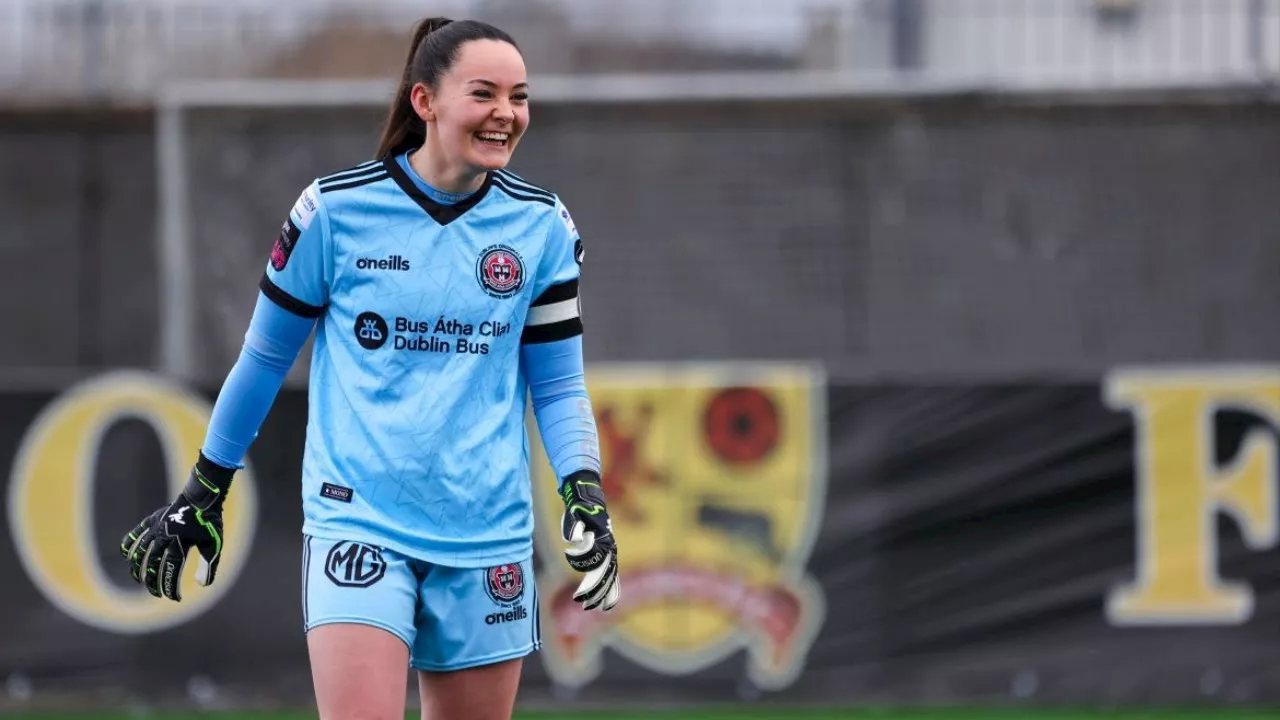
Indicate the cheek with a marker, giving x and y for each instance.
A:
(460, 120)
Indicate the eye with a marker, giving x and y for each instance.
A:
(482, 94)
(520, 97)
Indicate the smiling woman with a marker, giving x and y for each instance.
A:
(463, 99)
(425, 273)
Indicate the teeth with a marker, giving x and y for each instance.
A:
(498, 137)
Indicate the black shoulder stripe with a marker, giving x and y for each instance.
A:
(350, 178)
(557, 293)
(345, 176)
(360, 169)
(523, 185)
(354, 183)
(501, 184)
(278, 296)
(563, 330)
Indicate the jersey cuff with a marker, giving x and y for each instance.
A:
(554, 315)
(278, 296)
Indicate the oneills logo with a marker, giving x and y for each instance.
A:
(716, 487)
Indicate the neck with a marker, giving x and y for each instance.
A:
(431, 166)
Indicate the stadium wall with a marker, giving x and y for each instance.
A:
(923, 458)
(785, 539)
(953, 237)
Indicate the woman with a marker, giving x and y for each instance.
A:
(446, 289)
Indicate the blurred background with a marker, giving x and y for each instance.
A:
(932, 343)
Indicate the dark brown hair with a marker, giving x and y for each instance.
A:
(435, 47)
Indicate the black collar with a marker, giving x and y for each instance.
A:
(443, 214)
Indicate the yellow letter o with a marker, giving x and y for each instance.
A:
(51, 501)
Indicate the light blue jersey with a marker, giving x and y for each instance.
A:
(429, 316)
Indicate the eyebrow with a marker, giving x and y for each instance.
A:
(492, 84)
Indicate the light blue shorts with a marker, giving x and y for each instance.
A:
(450, 618)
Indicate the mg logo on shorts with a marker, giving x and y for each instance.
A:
(352, 564)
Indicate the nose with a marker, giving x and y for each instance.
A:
(504, 112)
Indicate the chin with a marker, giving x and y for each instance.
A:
(490, 164)
(490, 159)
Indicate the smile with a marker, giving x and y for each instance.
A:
(495, 139)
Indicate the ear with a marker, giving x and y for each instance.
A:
(423, 102)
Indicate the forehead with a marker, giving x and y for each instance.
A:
(491, 60)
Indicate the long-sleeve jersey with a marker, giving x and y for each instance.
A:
(435, 317)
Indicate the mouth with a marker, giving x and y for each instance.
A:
(494, 139)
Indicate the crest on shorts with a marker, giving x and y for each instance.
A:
(500, 271)
(505, 584)
(715, 482)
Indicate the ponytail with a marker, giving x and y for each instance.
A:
(403, 129)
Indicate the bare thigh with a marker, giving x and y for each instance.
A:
(487, 692)
(360, 672)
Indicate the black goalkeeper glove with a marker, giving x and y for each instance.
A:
(585, 526)
(157, 548)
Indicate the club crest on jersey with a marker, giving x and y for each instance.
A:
(505, 584)
(500, 271)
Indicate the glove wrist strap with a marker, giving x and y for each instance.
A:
(573, 478)
(208, 483)
(569, 490)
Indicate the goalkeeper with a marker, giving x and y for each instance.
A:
(443, 292)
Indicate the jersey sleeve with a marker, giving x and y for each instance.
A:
(300, 267)
(556, 311)
(271, 344)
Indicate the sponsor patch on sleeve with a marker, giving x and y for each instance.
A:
(305, 209)
(288, 238)
(567, 219)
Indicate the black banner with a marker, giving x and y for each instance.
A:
(782, 538)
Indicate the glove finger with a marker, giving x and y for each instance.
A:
(582, 544)
(151, 567)
(607, 591)
(597, 597)
(130, 541)
(206, 570)
(614, 595)
(138, 554)
(171, 564)
(571, 527)
(595, 580)
(210, 554)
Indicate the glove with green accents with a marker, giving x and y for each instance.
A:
(585, 526)
(157, 548)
